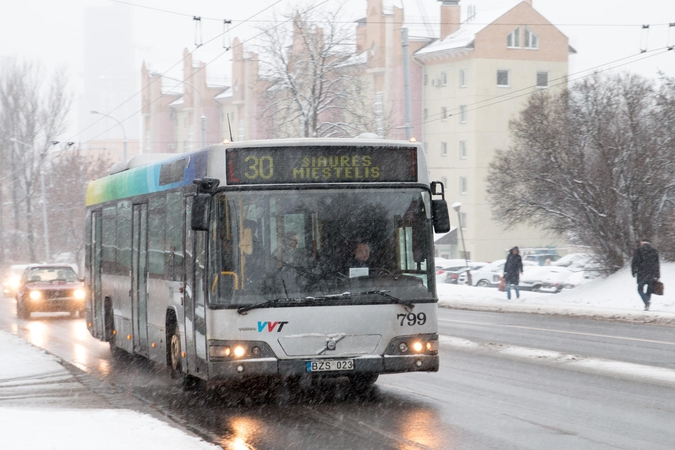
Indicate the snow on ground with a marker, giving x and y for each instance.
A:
(613, 297)
(33, 415)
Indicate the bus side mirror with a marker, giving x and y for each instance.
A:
(440, 216)
(201, 212)
(439, 208)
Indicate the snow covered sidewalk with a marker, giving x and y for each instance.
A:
(614, 297)
(44, 406)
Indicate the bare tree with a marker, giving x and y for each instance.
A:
(67, 177)
(33, 110)
(596, 163)
(315, 85)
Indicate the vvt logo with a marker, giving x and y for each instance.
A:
(270, 326)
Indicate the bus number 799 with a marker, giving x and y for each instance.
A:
(413, 319)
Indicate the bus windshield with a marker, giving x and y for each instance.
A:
(295, 244)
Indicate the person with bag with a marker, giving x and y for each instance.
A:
(512, 270)
(645, 268)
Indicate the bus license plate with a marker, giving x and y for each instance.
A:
(330, 365)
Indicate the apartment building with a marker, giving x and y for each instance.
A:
(477, 77)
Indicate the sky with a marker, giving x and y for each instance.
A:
(51, 32)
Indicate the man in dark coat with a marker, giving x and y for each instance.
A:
(512, 270)
(645, 268)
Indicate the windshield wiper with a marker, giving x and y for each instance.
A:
(309, 300)
(385, 294)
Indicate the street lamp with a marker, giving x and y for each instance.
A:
(118, 123)
(456, 206)
(42, 195)
(202, 117)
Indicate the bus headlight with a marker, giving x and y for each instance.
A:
(239, 351)
(422, 344)
(35, 295)
(79, 294)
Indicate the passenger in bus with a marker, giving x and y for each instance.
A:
(254, 261)
(288, 253)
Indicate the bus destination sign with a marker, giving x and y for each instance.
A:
(335, 164)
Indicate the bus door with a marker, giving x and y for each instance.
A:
(193, 295)
(96, 297)
(139, 278)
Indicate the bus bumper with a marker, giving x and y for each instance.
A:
(241, 369)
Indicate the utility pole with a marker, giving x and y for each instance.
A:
(406, 83)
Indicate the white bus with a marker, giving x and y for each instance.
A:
(280, 258)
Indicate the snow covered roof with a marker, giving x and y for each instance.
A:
(226, 93)
(464, 37)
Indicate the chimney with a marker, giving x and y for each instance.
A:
(449, 17)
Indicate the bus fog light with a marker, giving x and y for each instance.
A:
(35, 295)
(403, 347)
(240, 368)
(417, 347)
(418, 363)
(239, 351)
(220, 351)
(255, 351)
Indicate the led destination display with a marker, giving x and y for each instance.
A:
(276, 165)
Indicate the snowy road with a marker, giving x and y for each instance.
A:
(500, 386)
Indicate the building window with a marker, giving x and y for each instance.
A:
(426, 79)
(444, 149)
(462, 113)
(444, 78)
(542, 79)
(462, 78)
(444, 180)
(513, 39)
(444, 113)
(531, 39)
(462, 220)
(503, 78)
(462, 185)
(462, 149)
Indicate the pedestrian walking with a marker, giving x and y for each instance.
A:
(645, 268)
(512, 270)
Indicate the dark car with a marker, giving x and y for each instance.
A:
(49, 288)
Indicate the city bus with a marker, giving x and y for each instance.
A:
(279, 258)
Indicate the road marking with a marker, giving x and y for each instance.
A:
(651, 341)
(597, 366)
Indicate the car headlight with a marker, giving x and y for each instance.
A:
(79, 294)
(35, 295)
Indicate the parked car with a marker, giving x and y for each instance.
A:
(580, 277)
(49, 287)
(461, 275)
(554, 279)
(12, 278)
(541, 258)
(488, 276)
(574, 261)
(443, 265)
